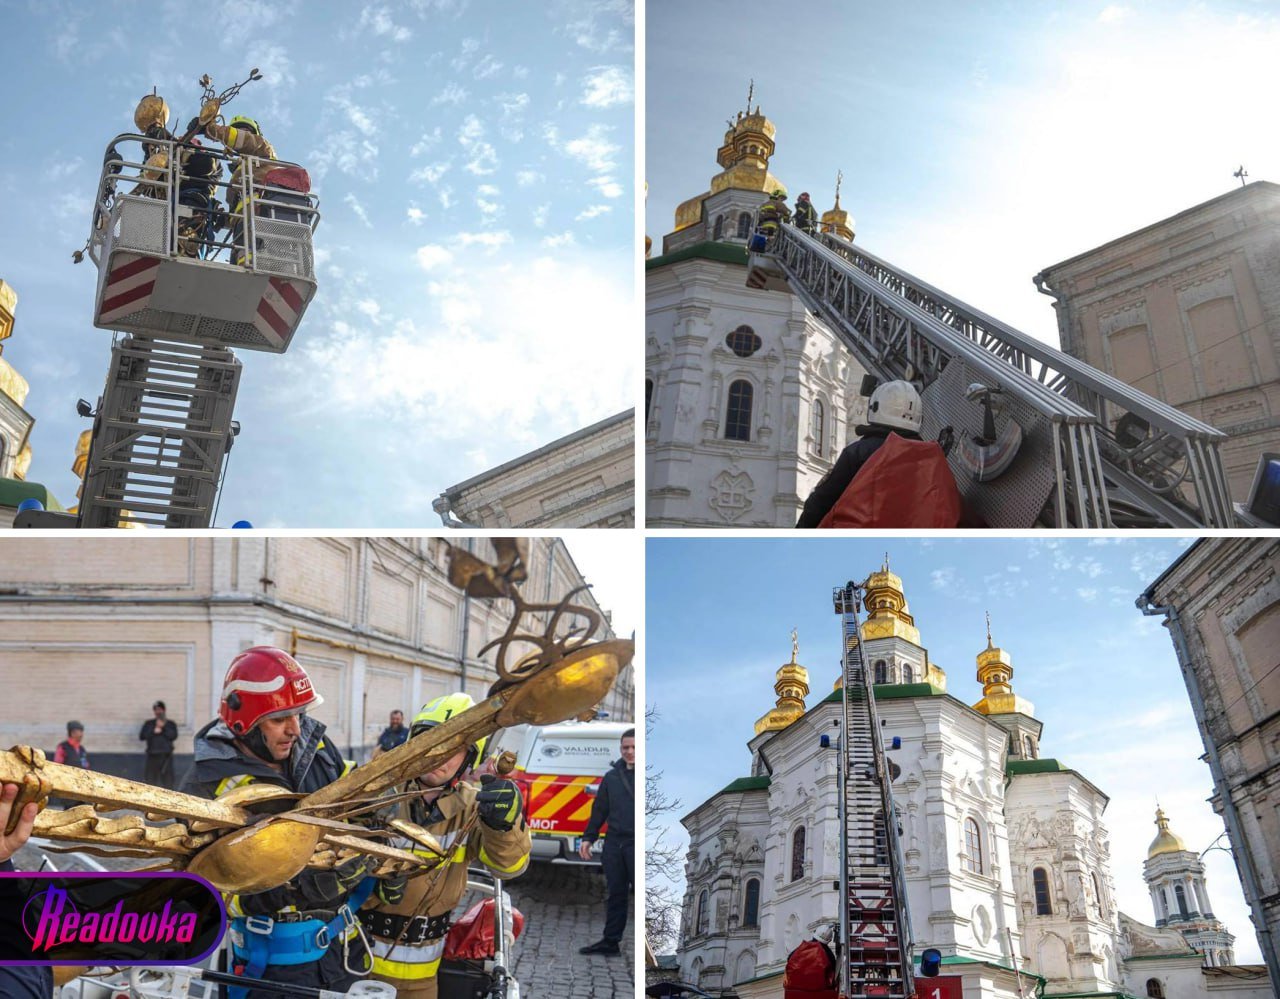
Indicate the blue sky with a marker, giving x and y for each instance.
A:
(980, 142)
(1103, 678)
(474, 162)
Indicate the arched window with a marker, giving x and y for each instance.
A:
(751, 903)
(703, 922)
(908, 675)
(744, 225)
(1097, 893)
(1028, 747)
(973, 846)
(743, 341)
(882, 672)
(1164, 904)
(737, 421)
(819, 425)
(797, 854)
(718, 231)
(1180, 896)
(1040, 878)
(1154, 989)
(648, 396)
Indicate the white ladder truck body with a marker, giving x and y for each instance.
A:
(875, 929)
(181, 282)
(1041, 438)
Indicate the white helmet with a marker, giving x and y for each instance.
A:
(897, 405)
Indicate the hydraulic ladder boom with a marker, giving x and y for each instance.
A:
(1099, 451)
(875, 930)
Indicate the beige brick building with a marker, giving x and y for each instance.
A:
(1221, 604)
(1188, 310)
(97, 628)
(586, 479)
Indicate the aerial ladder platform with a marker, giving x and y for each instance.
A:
(1039, 438)
(183, 282)
(875, 929)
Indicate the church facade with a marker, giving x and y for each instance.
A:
(1006, 853)
(749, 397)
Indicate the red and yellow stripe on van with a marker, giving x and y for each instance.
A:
(556, 804)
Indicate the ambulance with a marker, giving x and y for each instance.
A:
(559, 768)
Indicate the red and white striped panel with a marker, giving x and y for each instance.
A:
(279, 309)
(128, 286)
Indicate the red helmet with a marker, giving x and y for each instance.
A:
(264, 682)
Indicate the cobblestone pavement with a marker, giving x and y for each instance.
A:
(563, 909)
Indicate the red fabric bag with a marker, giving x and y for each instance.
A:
(471, 937)
(810, 972)
(904, 484)
(290, 178)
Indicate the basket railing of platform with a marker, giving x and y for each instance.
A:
(196, 244)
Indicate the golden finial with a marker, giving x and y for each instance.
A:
(839, 178)
(885, 567)
(795, 644)
(989, 645)
(751, 89)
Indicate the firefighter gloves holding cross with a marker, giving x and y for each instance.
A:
(498, 803)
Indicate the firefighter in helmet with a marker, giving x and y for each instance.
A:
(242, 135)
(263, 735)
(806, 214)
(482, 824)
(198, 175)
(773, 213)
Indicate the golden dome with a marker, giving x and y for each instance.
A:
(1165, 841)
(791, 686)
(995, 673)
(888, 615)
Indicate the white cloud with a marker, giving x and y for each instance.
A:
(592, 211)
(490, 208)
(63, 168)
(605, 86)
(520, 72)
(526, 178)
(430, 257)
(352, 202)
(379, 20)
(564, 239)
(472, 128)
(469, 48)
(1113, 13)
(486, 67)
(594, 149)
(607, 186)
(451, 94)
(428, 140)
(369, 307)
(431, 173)
(540, 215)
(415, 214)
(445, 193)
(348, 153)
(513, 104)
(1087, 593)
(491, 241)
(484, 160)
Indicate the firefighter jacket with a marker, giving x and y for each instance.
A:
(221, 765)
(245, 142)
(773, 212)
(806, 215)
(465, 839)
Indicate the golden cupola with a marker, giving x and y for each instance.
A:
(995, 673)
(888, 615)
(792, 687)
(1165, 841)
(837, 221)
(744, 161)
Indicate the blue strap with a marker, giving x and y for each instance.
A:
(293, 943)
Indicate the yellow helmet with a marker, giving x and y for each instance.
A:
(439, 711)
(244, 121)
(779, 193)
(151, 110)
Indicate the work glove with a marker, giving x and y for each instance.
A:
(391, 890)
(328, 888)
(498, 804)
(194, 126)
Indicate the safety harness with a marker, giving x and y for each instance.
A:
(258, 941)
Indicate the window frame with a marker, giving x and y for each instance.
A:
(798, 846)
(750, 919)
(1040, 885)
(973, 861)
(734, 417)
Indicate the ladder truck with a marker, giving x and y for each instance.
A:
(1039, 438)
(178, 305)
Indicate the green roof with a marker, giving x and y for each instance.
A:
(746, 784)
(14, 491)
(729, 253)
(893, 691)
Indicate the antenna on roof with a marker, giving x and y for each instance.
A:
(1242, 173)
